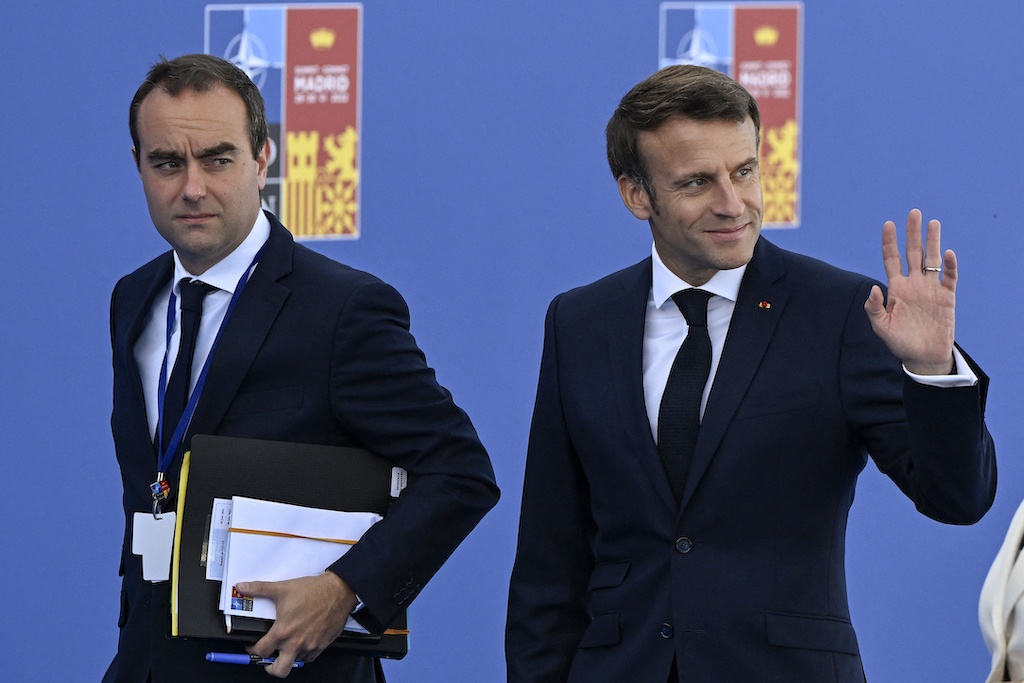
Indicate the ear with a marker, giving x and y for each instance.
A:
(262, 164)
(635, 198)
(135, 155)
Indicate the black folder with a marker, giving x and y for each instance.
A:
(327, 477)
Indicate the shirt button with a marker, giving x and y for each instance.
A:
(684, 545)
(666, 630)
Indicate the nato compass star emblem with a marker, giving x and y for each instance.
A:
(248, 53)
(698, 47)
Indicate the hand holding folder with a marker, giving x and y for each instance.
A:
(326, 477)
(270, 541)
(311, 611)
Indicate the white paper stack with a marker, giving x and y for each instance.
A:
(268, 541)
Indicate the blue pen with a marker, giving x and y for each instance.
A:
(235, 658)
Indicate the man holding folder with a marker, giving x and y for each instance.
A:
(238, 331)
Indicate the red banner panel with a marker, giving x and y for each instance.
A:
(320, 196)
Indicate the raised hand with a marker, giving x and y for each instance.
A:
(918, 321)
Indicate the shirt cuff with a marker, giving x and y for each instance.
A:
(963, 375)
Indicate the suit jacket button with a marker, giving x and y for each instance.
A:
(666, 630)
(684, 545)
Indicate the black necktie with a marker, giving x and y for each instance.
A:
(679, 415)
(176, 396)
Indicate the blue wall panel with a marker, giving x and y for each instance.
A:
(485, 192)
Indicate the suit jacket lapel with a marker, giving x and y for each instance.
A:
(245, 332)
(624, 320)
(137, 302)
(750, 331)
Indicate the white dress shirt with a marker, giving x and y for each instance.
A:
(152, 344)
(665, 328)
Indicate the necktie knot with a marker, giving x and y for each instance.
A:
(192, 293)
(693, 304)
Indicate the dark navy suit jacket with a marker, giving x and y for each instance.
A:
(315, 352)
(745, 580)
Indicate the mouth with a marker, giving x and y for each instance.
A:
(728, 233)
(195, 218)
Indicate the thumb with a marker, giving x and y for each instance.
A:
(875, 304)
(257, 589)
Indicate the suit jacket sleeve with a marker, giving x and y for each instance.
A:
(931, 441)
(547, 597)
(385, 395)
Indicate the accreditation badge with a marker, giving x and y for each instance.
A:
(153, 540)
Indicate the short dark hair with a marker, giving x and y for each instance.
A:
(201, 73)
(695, 92)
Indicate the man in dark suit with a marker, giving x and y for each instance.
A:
(644, 561)
(303, 350)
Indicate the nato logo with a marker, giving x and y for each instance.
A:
(696, 34)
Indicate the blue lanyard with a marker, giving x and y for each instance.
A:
(193, 399)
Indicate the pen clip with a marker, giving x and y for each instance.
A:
(267, 661)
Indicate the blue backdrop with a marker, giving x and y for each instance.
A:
(485, 192)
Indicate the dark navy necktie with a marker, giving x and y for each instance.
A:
(176, 396)
(679, 415)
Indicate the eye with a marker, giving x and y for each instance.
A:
(695, 182)
(746, 172)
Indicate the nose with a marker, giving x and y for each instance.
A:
(728, 202)
(194, 188)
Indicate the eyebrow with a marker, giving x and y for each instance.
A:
(682, 180)
(217, 150)
(752, 161)
(169, 155)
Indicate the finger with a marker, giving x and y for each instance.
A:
(949, 270)
(257, 589)
(875, 303)
(915, 247)
(282, 665)
(891, 251)
(268, 644)
(265, 646)
(933, 253)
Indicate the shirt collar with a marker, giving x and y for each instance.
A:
(226, 273)
(665, 283)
